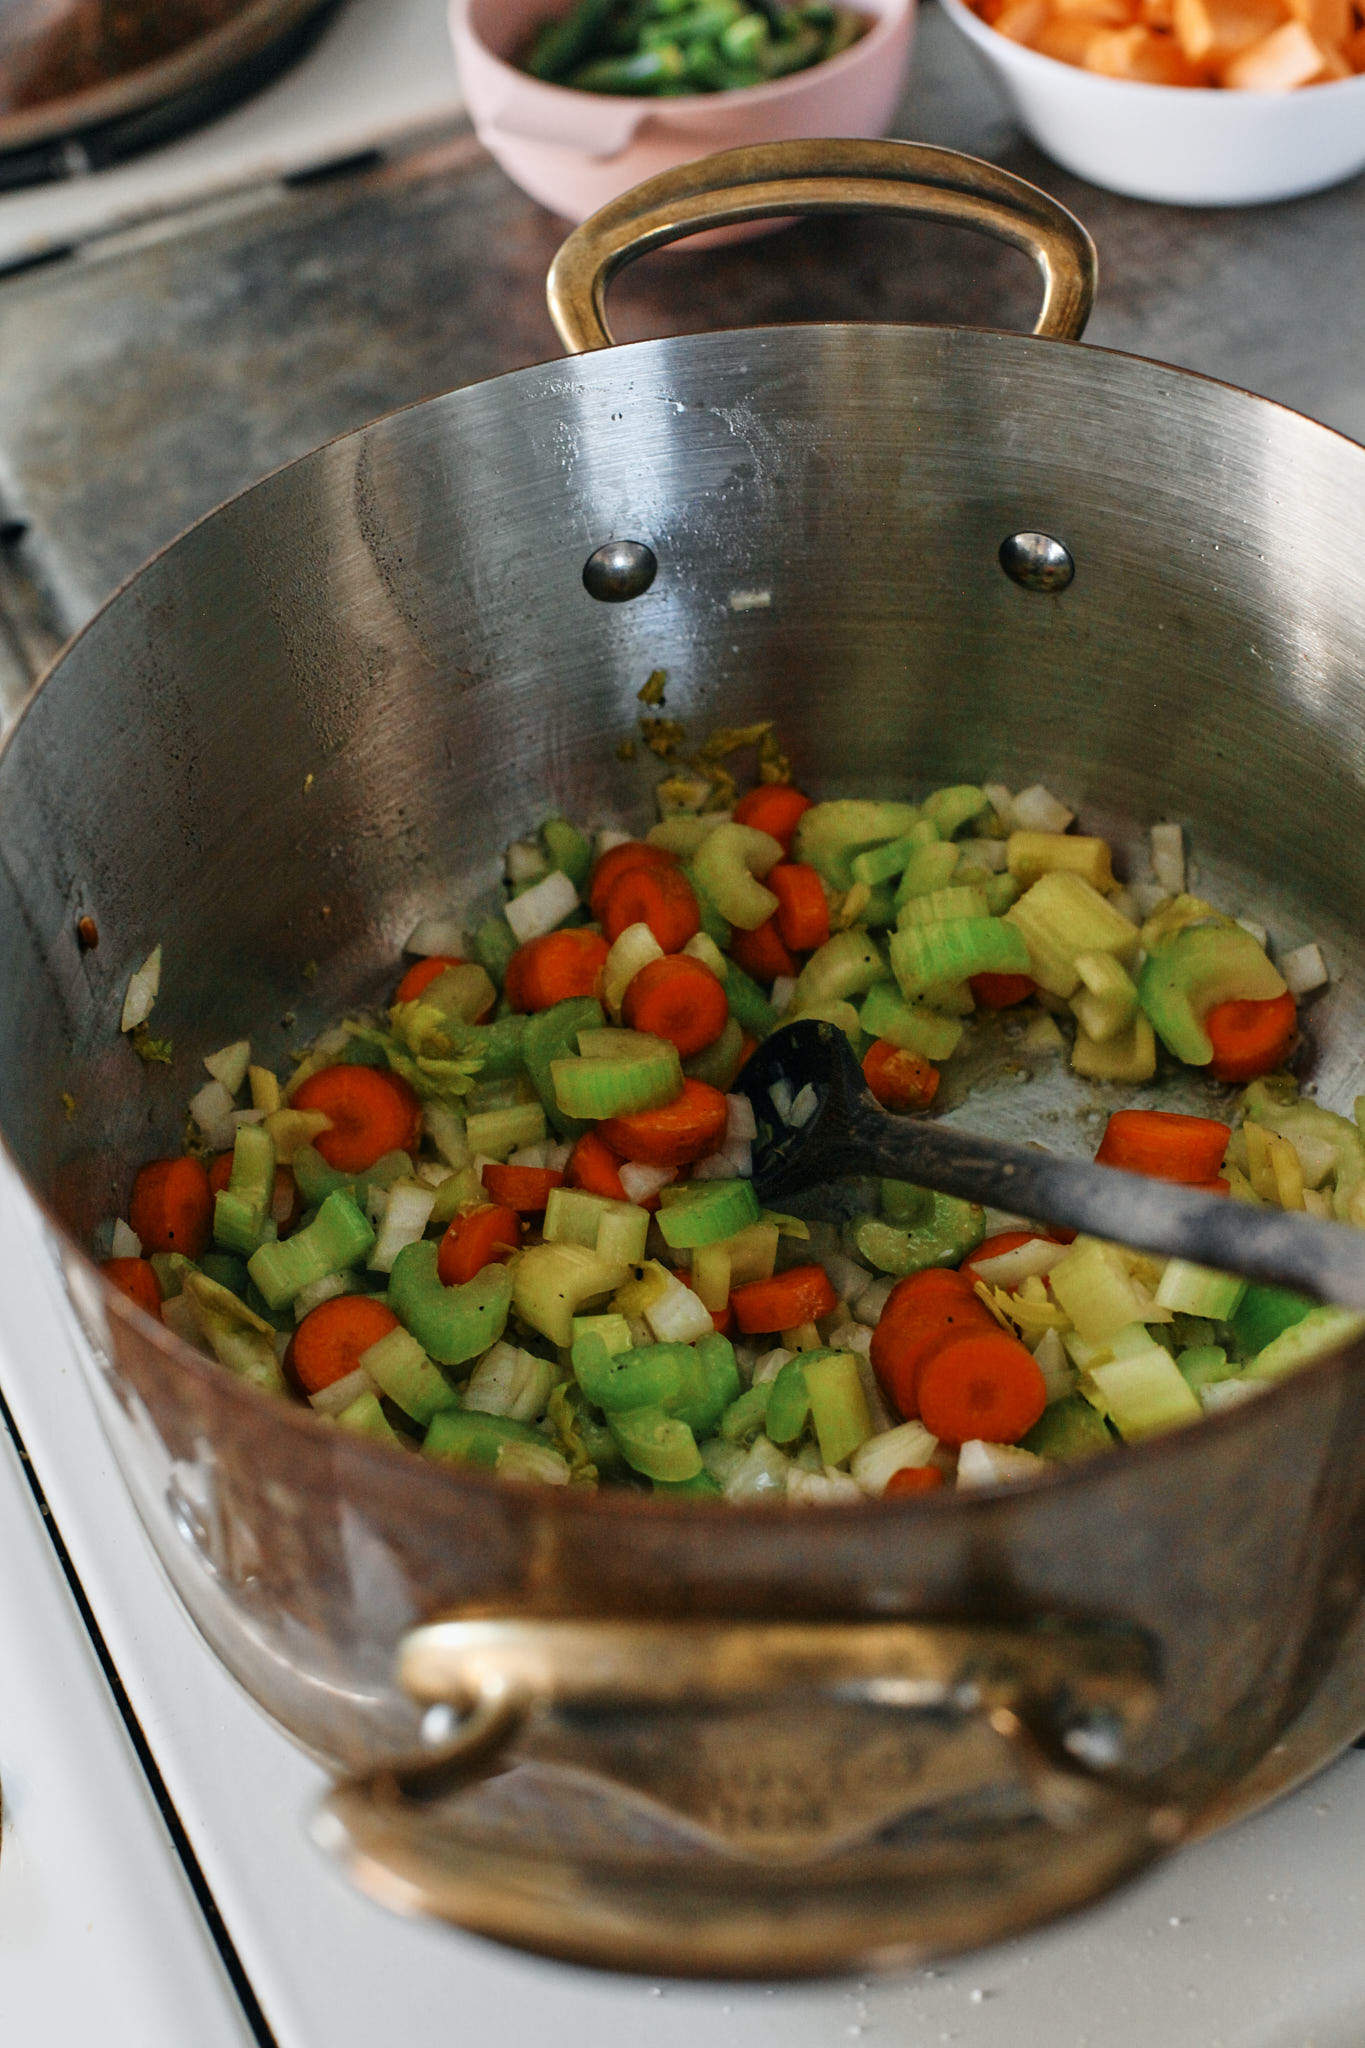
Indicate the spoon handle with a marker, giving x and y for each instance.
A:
(1325, 1260)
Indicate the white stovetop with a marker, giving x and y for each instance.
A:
(1250, 1941)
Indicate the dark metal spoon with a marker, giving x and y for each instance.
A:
(847, 1132)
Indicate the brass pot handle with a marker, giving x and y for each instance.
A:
(777, 179)
(779, 1796)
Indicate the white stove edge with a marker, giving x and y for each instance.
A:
(1250, 1941)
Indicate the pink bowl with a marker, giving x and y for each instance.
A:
(574, 151)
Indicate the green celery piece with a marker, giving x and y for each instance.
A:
(338, 1238)
(1194, 970)
(171, 1267)
(838, 1405)
(749, 1007)
(950, 809)
(829, 836)
(706, 1211)
(613, 1330)
(241, 1210)
(788, 1404)
(1275, 1102)
(466, 1437)
(647, 1376)
(914, 1027)
(1067, 1429)
(494, 944)
(1204, 1365)
(903, 1203)
(880, 907)
(1144, 1395)
(931, 866)
(452, 1324)
(1320, 1331)
(842, 1015)
(401, 1369)
(744, 1418)
(366, 1417)
(1265, 1313)
(1002, 892)
(363, 1052)
(497, 1132)
(1060, 918)
(952, 1229)
(618, 1086)
(941, 906)
(719, 1063)
(567, 849)
(884, 863)
(713, 923)
(701, 1486)
(1199, 1290)
(227, 1268)
(552, 1282)
(316, 1179)
(581, 1434)
(923, 955)
(719, 1384)
(846, 965)
(553, 1035)
(655, 1444)
(241, 1341)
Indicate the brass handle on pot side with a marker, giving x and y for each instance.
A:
(777, 179)
(759, 1798)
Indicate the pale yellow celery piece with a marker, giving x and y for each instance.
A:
(1129, 1057)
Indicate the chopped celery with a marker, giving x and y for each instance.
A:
(1264, 1313)
(496, 1132)
(914, 1027)
(241, 1341)
(923, 955)
(883, 863)
(753, 1252)
(401, 1369)
(941, 906)
(842, 1015)
(644, 1078)
(891, 1451)
(657, 1445)
(1275, 1103)
(316, 1179)
(846, 965)
(929, 868)
(465, 1437)
(451, 1324)
(1199, 1291)
(749, 1006)
(494, 944)
(1144, 1395)
(1108, 1001)
(716, 927)
(719, 1063)
(1060, 917)
(829, 835)
(1000, 891)
(365, 1417)
(1204, 1365)
(553, 1282)
(567, 849)
(338, 1238)
(553, 1035)
(464, 992)
(950, 809)
(1067, 1429)
(744, 1418)
(1320, 1331)
(241, 1210)
(1093, 1284)
(728, 865)
(788, 1403)
(613, 1330)
(1033, 854)
(838, 1405)
(705, 1212)
(1196, 968)
(903, 1203)
(1129, 1057)
(573, 1216)
(701, 1486)
(951, 1229)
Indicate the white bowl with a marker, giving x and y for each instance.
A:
(1186, 145)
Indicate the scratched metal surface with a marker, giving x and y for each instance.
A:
(150, 378)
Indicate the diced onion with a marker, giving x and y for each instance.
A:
(983, 1464)
(557, 1156)
(1229, 1393)
(1258, 931)
(1002, 803)
(143, 989)
(211, 1109)
(873, 1463)
(446, 1130)
(318, 1291)
(641, 1182)
(1168, 858)
(770, 1363)
(679, 1316)
(608, 837)
(529, 1155)
(868, 1303)
(701, 946)
(1304, 969)
(1059, 1376)
(991, 854)
(247, 1116)
(537, 1464)
(780, 1096)
(821, 1489)
(803, 1108)
(406, 1216)
(783, 989)
(845, 1275)
(740, 1123)
(1149, 897)
(334, 1400)
(762, 1471)
(543, 907)
(524, 861)
(229, 1066)
(1007, 1269)
(124, 1242)
(436, 938)
(1038, 810)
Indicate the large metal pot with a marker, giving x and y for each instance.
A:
(749, 1740)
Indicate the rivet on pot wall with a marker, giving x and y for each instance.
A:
(1035, 561)
(620, 570)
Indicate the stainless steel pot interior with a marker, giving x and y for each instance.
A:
(322, 713)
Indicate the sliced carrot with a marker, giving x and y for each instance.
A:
(985, 1385)
(763, 953)
(902, 1348)
(685, 1129)
(632, 853)
(136, 1279)
(1251, 1038)
(524, 1188)
(554, 967)
(774, 808)
(678, 999)
(1003, 1241)
(1164, 1144)
(422, 973)
(802, 906)
(328, 1342)
(800, 1295)
(171, 1209)
(898, 1079)
(1002, 991)
(594, 1167)
(372, 1113)
(912, 1479)
(474, 1240)
(662, 898)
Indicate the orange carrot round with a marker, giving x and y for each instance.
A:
(554, 967)
(616, 861)
(899, 1079)
(800, 1295)
(422, 973)
(372, 1113)
(595, 1168)
(1249, 1038)
(678, 999)
(171, 1209)
(662, 898)
(774, 808)
(907, 1337)
(685, 1129)
(763, 953)
(328, 1342)
(474, 1240)
(1002, 991)
(136, 1279)
(526, 1189)
(912, 1479)
(985, 1385)
(802, 912)
(1164, 1145)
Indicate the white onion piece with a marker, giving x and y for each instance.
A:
(701, 946)
(821, 1489)
(247, 1116)
(124, 1242)
(873, 1463)
(211, 1109)
(406, 1215)
(982, 1464)
(770, 1364)
(436, 938)
(1229, 1393)
(679, 1316)
(535, 1464)
(1002, 803)
(640, 1182)
(445, 1128)
(529, 1155)
(543, 907)
(991, 854)
(740, 1123)
(608, 837)
(780, 1096)
(1038, 810)
(318, 1291)
(143, 989)
(1258, 932)
(524, 861)
(868, 1304)
(1304, 969)
(1168, 858)
(803, 1108)
(1007, 1269)
(1149, 897)
(229, 1066)
(783, 989)
(557, 1156)
(339, 1396)
(1059, 1377)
